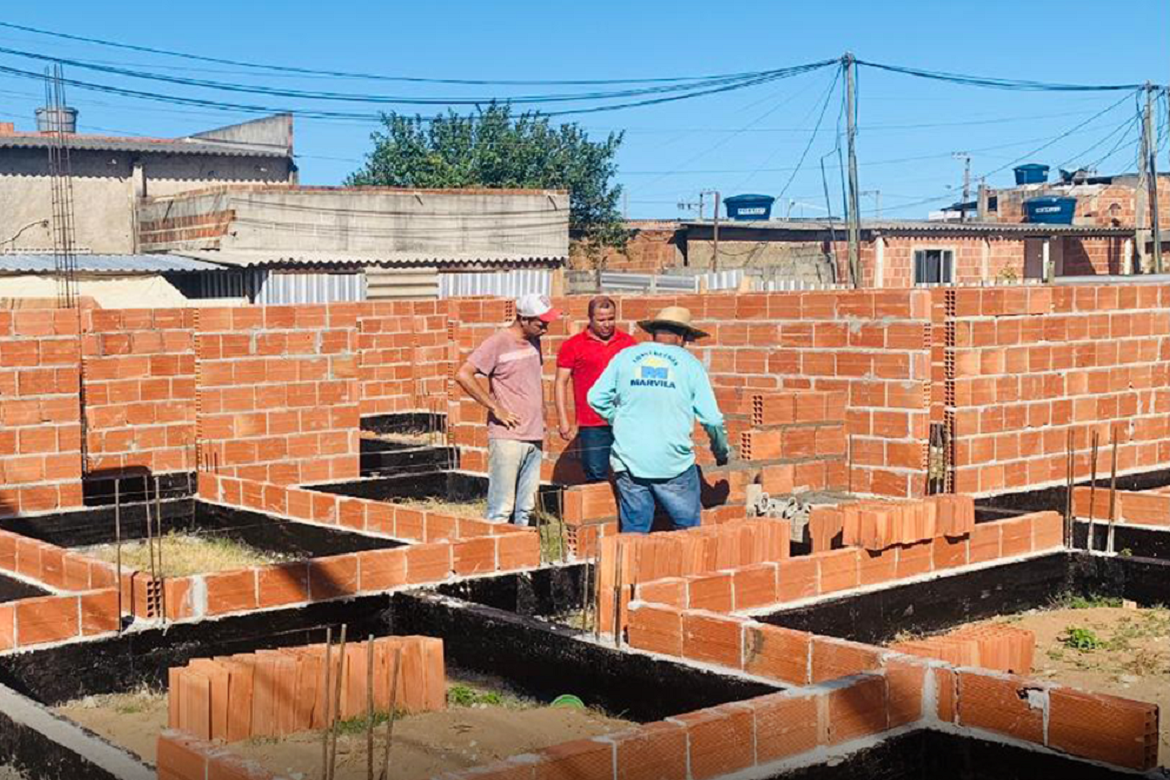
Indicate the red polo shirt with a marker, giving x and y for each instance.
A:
(587, 356)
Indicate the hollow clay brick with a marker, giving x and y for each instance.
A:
(713, 639)
(1003, 704)
(834, 658)
(857, 710)
(720, 740)
(777, 653)
(786, 725)
(657, 629)
(1117, 731)
(654, 751)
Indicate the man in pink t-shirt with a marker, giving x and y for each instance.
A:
(510, 359)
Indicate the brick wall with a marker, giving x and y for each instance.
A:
(872, 346)
(1019, 368)
(277, 392)
(140, 389)
(405, 352)
(40, 412)
(652, 248)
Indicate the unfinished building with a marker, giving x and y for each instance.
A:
(247, 542)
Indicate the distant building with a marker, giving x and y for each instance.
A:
(111, 174)
(297, 244)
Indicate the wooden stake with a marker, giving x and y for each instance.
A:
(596, 595)
(1092, 487)
(393, 713)
(162, 590)
(328, 699)
(370, 707)
(1069, 472)
(1112, 492)
(118, 543)
(336, 725)
(617, 600)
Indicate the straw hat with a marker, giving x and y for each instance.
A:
(673, 317)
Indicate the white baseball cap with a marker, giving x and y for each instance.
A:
(536, 305)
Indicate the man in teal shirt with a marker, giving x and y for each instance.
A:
(651, 395)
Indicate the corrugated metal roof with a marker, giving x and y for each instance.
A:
(247, 259)
(159, 145)
(105, 264)
(919, 226)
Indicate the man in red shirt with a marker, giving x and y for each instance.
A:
(582, 358)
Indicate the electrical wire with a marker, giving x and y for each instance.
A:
(1026, 85)
(292, 69)
(812, 138)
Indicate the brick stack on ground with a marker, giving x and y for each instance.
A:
(278, 692)
(994, 646)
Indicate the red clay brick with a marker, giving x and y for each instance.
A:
(858, 710)
(46, 619)
(583, 759)
(428, 562)
(1016, 536)
(280, 584)
(947, 552)
(658, 629)
(915, 559)
(984, 543)
(798, 578)
(754, 586)
(520, 550)
(654, 751)
(777, 653)
(905, 682)
(711, 592)
(474, 556)
(720, 740)
(670, 591)
(180, 757)
(839, 569)
(1117, 731)
(713, 639)
(1002, 703)
(333, 577)
(99, 612)
(7, 626)
(381, 569)
(231, 591)
(786, 725)
(835, 658)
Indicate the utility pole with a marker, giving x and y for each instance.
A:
(850, 65)
(1141, 195)
(966, 158)
(1151, 146)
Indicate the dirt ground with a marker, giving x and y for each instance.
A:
(184, 554)
(9, 773)
(1104, 647)
(484, 727)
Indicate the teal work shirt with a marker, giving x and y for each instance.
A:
(651, 395)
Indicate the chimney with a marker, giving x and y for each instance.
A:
(50, 120)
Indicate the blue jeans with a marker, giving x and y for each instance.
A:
(595, 444)
(513, 479)
(679, 496)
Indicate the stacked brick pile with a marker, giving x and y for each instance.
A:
(277, 392)
(629, 559)
(140, 389)
(276, 692)
(40, 413)
(995, 646)
(878, 525)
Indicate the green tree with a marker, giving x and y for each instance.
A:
(491, 147)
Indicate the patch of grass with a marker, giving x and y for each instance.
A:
(1083, 640)
(358, 724)
(1069, 600)
(475, 508)
(184, 554)
(460, 695)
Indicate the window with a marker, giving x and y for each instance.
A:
(933, 266)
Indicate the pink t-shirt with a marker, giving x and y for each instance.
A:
(513, 369)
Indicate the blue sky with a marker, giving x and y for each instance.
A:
(743, 141)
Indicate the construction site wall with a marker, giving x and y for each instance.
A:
(275, 394)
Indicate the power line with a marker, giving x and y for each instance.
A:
(351, 74)
(1025, 85)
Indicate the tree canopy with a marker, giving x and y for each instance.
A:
(491, 147)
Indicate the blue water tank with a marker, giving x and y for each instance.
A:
(1050, 210)
(749, 207)
(1032, 173)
